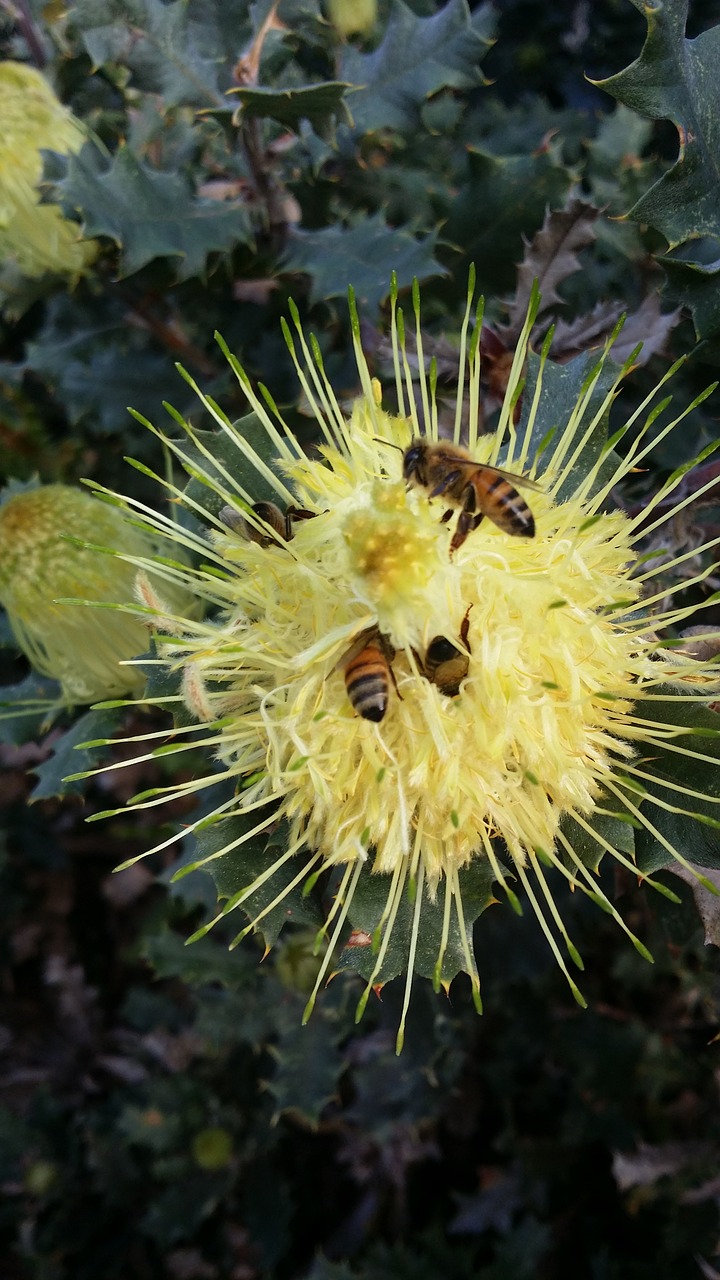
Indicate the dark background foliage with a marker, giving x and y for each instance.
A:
(163, 1112)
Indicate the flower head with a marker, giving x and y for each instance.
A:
(86, 650)
(36, 236)
(426, 700)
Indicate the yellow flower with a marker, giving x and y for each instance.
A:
(352, 17)
(87, 650)
(534, 749)
(37, 236)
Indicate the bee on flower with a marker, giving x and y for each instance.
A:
(530, 711)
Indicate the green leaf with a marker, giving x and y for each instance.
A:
(694, 840)
(368, 903)
(233, 459)
(150, 214)
(697, 285)
(202, 964)
(308, 1067)
(502, 199)
(28, 708)
(174, 50)
(562, 385)
(619, 834)
(240, 867)
(677, 79)
(417, 58)
(65, 759)
(320, 104)
(363, 255)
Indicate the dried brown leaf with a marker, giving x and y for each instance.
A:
(550, 257)
(707, 903)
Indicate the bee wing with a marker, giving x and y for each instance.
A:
(523, 481)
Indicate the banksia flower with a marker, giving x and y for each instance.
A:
(35, 235)
(414, 702)
(84, 649)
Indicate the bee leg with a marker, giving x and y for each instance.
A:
(447, 516)
(465, 628)
(300, 513)
(467, 520)
(392, 677)
(442, 486)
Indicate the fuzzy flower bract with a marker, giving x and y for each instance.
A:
(555, 742)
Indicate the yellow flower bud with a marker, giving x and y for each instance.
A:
(35, 235)
(352, 17)
(81, 648)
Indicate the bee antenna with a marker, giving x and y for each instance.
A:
(390, 445)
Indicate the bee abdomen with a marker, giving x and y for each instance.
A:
(508, 509)
(366, 681)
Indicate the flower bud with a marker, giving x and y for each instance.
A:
(82, 648)
(352, 17)
(35, 235)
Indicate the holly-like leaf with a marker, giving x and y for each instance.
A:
(368, 905)
(591, 852)
(28, 708)
(677, 79)
(69, 757)
(320, 104)
(363, 255)
(231, 458)
(150, 214)
(503, 199)
(308, 1067)
(679, 782)
(417, 58)
(696, 285)
(237, 869)
(561, 388)
(174, 50)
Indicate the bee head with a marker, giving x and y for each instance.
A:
(441, 650)
(414, 461)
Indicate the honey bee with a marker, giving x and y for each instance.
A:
(368, 674)
(445, 665)
(479, 490)
(279, 522)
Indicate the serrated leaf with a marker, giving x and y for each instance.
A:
(417, 58)
(150, 214)
(175, 50)
(693, 840)
(677, 79)
(591, 852)
(648, 325)
(240, 867)
(308, 1067)
(502, 199)
(696, 285)
(561, 387)
(65, 759)
(322, 105)
(368, 903)
(363, 255)
(202, 964)
(233, 459)
(28, 708)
